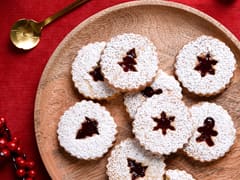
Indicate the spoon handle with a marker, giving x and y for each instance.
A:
(62, 12)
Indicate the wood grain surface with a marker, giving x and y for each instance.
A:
(169, 26)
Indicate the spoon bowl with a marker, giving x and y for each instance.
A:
(25, 34)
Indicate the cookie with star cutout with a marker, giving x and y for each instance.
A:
(205, 66)
(86, 130)
(213, 134)
(162, 125)
(129, 62)
(130, 161)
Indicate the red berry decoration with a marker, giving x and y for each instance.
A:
(2, 122)
(5, 153)
(19, 150)
(9, 147)
(15, 139)
(12, 146)
(30, 164)
(31, 173)
(3, 143)
(20, 162)
(21, 172)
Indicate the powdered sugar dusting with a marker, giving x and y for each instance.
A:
(89, 147)
(168, 84)
(209, 84)
(223, 125)
(178, 175)
(117, 167)
(87, 59)
(155, 141)
(147, 61)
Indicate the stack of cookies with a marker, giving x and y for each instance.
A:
(162, 124)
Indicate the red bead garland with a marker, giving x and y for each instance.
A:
(9, 147)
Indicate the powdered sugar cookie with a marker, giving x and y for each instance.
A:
(214, 132)
(86, 130)
(205, 66)
(129, 161)
(129, 62)
(177, 175)
(86, 72)
(162, 125)
(163, 84)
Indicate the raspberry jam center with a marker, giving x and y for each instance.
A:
(205, 64)
(149, 91)
(129, 61)
(164, 123)
(96, 74)
(136, 169)
(207, 131)
(88, 129)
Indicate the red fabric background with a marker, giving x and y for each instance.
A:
(20, 71)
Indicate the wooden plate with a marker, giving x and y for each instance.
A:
(170, 26)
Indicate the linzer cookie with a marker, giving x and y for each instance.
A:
(129, 161)
(214, 132)
(163, 84)
(162, 125)
(86, 130)
(205, 66)
(129, 62)
(86, 72)
(177, 175)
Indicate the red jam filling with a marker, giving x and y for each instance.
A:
(205, 64)
(149, 91)
(129, 61)
(136, 169)
(164, 123)
(89, 128)
(207, 131)
(96, 74)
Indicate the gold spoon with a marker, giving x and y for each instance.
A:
(25, 33)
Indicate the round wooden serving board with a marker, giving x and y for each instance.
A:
(170, 26)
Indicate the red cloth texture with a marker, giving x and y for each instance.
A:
(20, 72)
